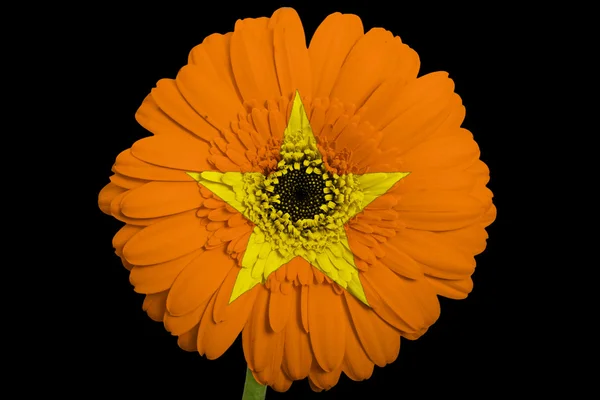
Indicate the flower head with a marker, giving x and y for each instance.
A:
(317, 200)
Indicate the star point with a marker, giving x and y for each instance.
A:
(275, 239)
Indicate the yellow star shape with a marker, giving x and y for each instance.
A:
(276, 239)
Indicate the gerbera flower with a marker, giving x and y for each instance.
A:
(316, 200)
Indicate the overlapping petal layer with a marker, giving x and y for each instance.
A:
(226, 111)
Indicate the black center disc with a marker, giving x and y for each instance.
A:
(301, 194)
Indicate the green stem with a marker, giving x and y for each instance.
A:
(252, 389)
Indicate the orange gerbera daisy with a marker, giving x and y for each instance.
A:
(317, 200)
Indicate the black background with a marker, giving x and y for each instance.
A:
(471, 351)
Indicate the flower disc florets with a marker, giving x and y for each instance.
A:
(301, 207)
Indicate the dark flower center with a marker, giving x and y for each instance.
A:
(300, 193)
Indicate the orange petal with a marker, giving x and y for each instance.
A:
(313, 387)
(187, 341)
(471, 239)
(122, 237)
(170, 98)
(130, 166)
(304, 307)
(115, 208)
(415, 103)
(199, 280)
(438, 251)
(324, 380)
(326, 325)
(227, 234)
(214, 202)
(220, 312)
(481, 171)
(388, 100)
(237, 220)
(107, 195)
(219, 215)
(183, 152)
(281, 382)
(483, 194)
(416, 126)
(304, 272)
(155, 120)
(385, 201)
(258, 340)
(438, 210)
(329, 47)
(454, 119)
(297, 352)
(253, 60)
(240, 244)
(273, 371)
(380, 341)
(158, 277)
(454, 152)
(202, 327)
(157, 199)
(489, 216)
(279, 309)
(291, 55)
(166, 240)
(371, 61)
(178, 325)
(155, 305)
(399, 261)
(260, 118)
(420, 181)
(411, 300)
(367, 155)
(216, 47)
(358, 248)
(126, 264)
(383, 309)
(452, 289)
(224, 164)
(218, 336)
(173, 120)
(356, 365)
(126, 182)
(208, 95)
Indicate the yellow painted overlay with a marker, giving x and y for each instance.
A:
(276, 240)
